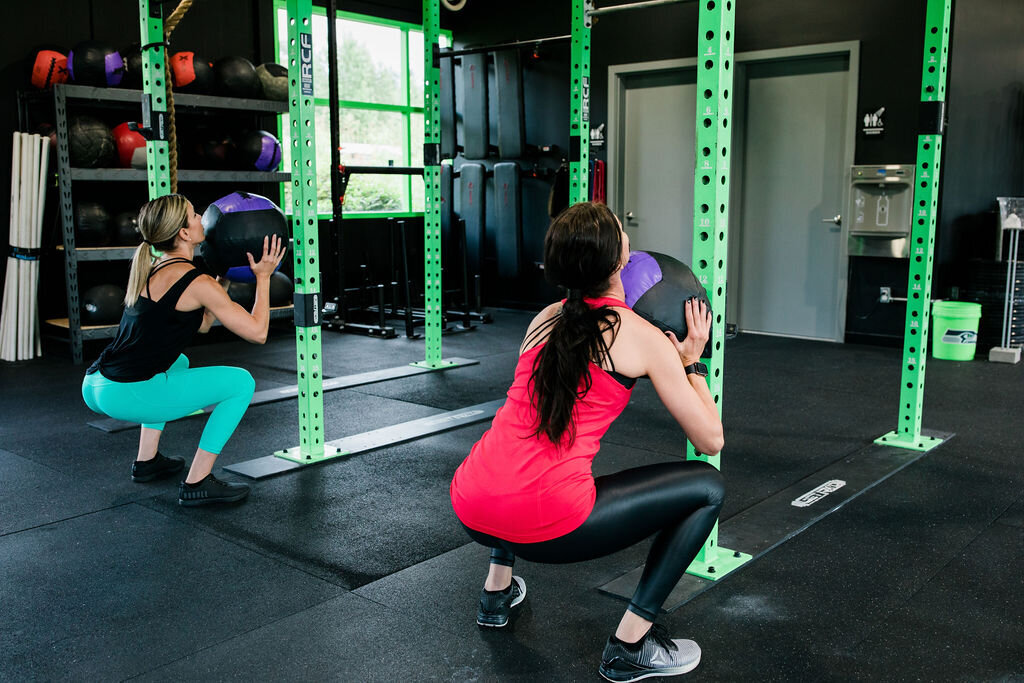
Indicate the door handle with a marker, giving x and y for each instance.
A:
(630, 216)
(837, 219)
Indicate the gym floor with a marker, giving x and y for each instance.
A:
(358, 569)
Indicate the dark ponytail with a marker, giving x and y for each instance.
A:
(582, 250)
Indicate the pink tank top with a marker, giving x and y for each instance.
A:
(523, 488)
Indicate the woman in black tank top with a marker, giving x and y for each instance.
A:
(142, 376)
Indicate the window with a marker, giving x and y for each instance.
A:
(380, 85)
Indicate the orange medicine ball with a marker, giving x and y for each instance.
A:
(48, 68)
(191, 73)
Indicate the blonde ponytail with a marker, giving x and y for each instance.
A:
(159, 223)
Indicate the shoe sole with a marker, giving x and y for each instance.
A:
(213, 501)
(158, 475)
(623, 678)
(522, 596)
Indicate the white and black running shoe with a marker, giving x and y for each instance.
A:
(496, 605)
(655, 655)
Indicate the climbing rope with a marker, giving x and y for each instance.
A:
(170, 24)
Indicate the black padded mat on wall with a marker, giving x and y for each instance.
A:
(475, 132)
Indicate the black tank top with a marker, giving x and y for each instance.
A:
(152, 334)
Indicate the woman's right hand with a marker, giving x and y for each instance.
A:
(698, 331)
(273, 252)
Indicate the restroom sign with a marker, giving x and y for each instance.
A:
(872, 123)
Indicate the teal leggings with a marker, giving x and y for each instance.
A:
(174, 394)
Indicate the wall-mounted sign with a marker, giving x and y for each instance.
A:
(873, 125)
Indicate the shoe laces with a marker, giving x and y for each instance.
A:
(661, 637)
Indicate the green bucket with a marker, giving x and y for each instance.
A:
(954, 329)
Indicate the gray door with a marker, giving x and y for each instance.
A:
(657, 119)
(788, 277)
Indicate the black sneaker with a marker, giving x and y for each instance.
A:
(160, 466)
(657, 655)
(211, 490)
(495, 606)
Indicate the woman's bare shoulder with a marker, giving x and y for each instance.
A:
(534, 335)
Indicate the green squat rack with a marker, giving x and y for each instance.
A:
(306, 248)
(926, 196)
(715, 66)
(716, 22)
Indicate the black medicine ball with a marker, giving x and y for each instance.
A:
(236, 77)
(90, 143)
(132, 67)
(126, 229)
(102, 305)
(274, 79)
(92, 225)
(281, 289)
(93, 63)
(657, 288)
(236, 224)
(242, 293)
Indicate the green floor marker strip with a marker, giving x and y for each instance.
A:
(922, 236)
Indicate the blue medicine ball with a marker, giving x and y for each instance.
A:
(237, 224)
(657, 288)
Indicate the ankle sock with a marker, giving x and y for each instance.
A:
(504, 592)
(632, 647)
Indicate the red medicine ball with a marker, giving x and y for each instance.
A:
(131, 146)
(48, 68)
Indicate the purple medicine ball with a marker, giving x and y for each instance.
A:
(236, 224)
(657, 288)
(93, 63)
(258, 150)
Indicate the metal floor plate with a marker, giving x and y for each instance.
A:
(777, 519)
(111, 425)
(272, 465)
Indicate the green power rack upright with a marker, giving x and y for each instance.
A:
(926, 211)
(715, 67)
(303, 180)
(716, 22)
(312, 448)
(305, 245)
(154, 102)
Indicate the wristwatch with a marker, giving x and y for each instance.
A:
(697, 368)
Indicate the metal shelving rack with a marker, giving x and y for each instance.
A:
(67, 175)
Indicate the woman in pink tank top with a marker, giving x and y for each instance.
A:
(526, 489)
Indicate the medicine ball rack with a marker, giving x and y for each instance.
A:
(87, 96)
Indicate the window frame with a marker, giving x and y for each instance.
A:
(406, 110)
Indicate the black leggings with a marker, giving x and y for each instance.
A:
(678, 501)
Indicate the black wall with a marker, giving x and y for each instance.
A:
(983, 155)
(214, 29)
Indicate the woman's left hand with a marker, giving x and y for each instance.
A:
(698, 330)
